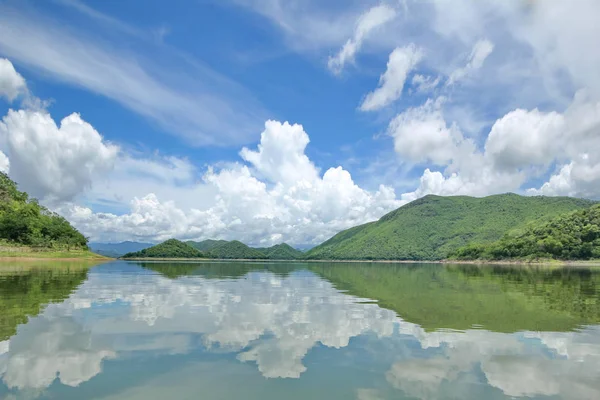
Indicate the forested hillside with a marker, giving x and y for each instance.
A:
(572, 236)
(282, 251)
(171, 248)
(206, 245)
(235, 250)
(23, 221)
(432, 227)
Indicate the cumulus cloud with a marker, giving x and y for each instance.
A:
(12, 84)
(522, 138)
(367, 22)
(279, 196)
(391, 83)
(421, 134)
(481, 50)
(54, 161)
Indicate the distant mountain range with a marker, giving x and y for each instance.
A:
(432, 228)
(117, 249)
(218, 249)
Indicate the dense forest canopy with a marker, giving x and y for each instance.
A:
(572, 236)
(24, 221)
(172, 248)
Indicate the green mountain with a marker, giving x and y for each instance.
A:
(23, 221)
(283, 251)
(206, 245)
(235, 250)
(432, 227)
(172, 248)
(571, 236)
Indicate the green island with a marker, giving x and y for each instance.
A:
(30, 230)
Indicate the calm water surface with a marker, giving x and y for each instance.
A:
(297, 331)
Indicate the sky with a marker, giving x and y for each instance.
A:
(284, 120)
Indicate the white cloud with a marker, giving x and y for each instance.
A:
(523, 139)
(421, 134)
(367, 22)
(12, 84)
(391, 83)
(481, 50)
(54, 161)
(182, 95)
(280, 156)
(4, 163)
(424, 84)
(294, 204)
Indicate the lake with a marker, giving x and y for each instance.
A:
(364, 331)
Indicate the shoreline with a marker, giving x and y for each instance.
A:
(557, 263)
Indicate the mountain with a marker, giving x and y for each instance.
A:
(235, 250)
(571, 236)
(283, 251)
(206, 245)
(118, 249)
(172, 248)
(432, 227)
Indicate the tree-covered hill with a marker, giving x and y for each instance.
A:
(571, 236)
(23, 221)
(171, 248)
(432, 227)
(206, 245)
(235, 250)
(282, 251)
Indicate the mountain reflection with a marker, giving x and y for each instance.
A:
(275, 320)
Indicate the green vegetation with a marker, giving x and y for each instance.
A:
(235, 250)
(172, 248)
(206, 245)
(501, 298)
(572, 236)
(282, 251)
(25, 290)
(433, 227)
(24, 222)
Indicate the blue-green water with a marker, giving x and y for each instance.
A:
(266, 331)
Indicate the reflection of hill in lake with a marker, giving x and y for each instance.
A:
(25, 291)
(217, 270)
(503, 299)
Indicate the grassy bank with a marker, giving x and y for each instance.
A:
(13, 252)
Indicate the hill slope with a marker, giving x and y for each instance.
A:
(432, 227)
(118, 249)
(172, 248)
(23, 221)
(571, 236)
(206, 245)
(235, 250)
(283, 251)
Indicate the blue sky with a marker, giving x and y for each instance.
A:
(396, 100)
